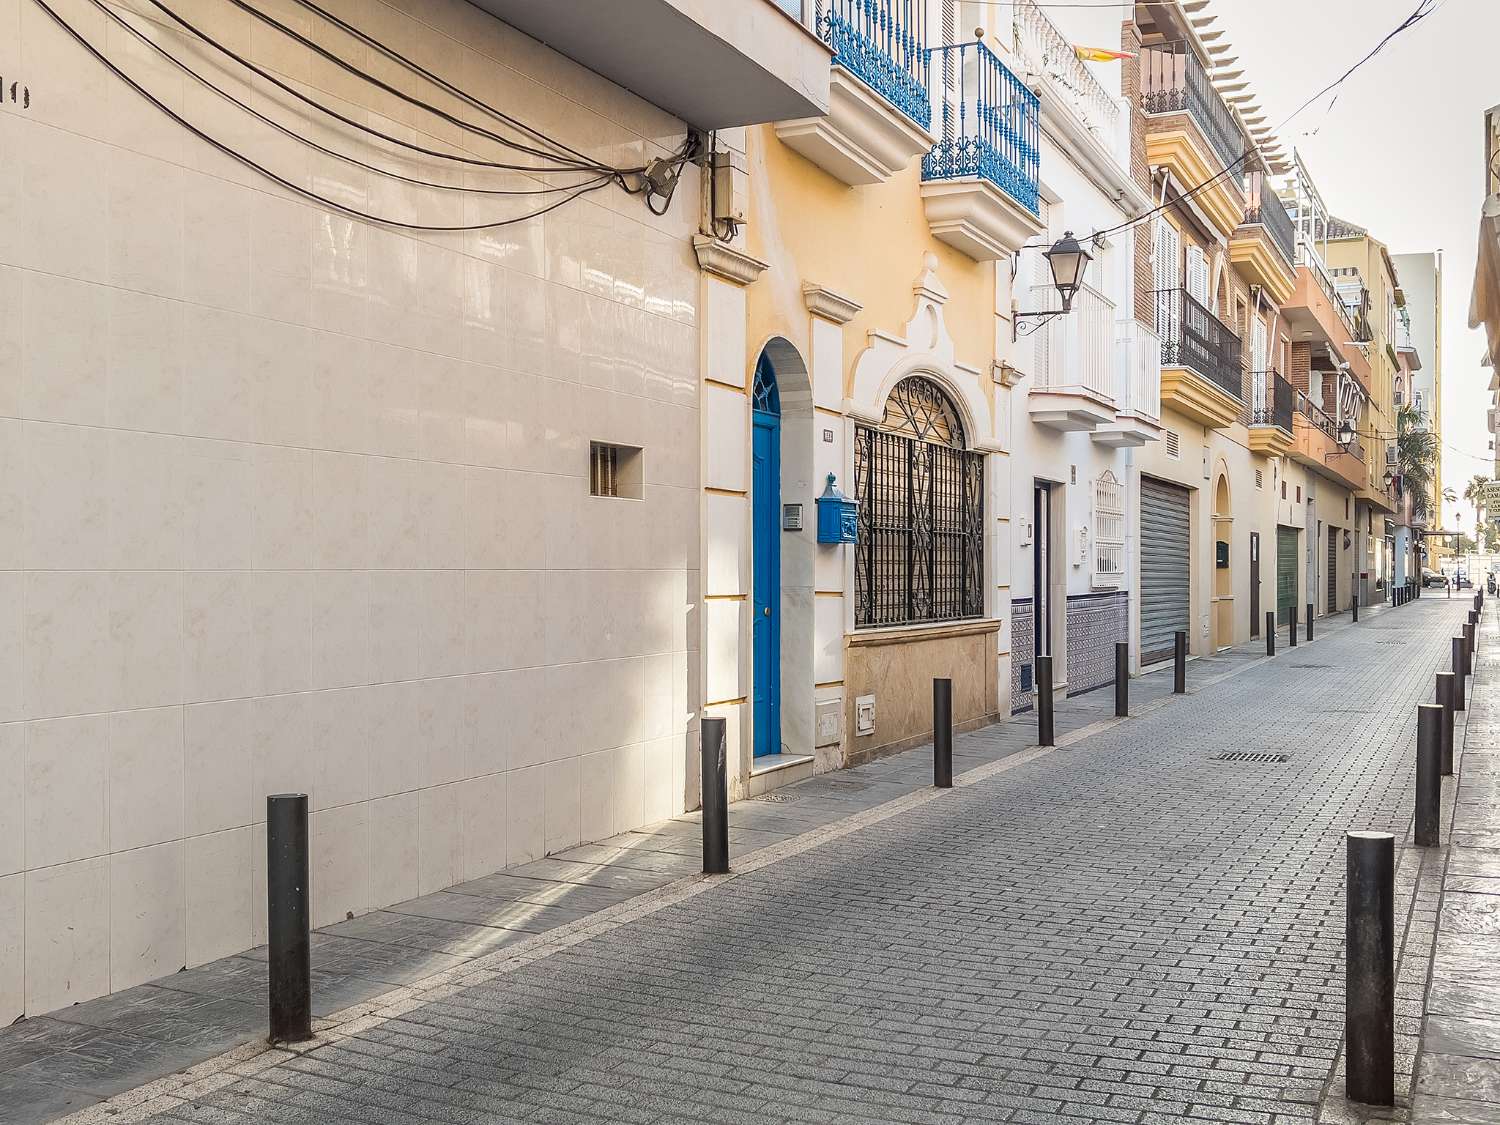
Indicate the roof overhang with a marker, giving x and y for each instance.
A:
(712, 64)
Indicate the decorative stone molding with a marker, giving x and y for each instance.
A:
(924, 348)
(1004, 374)
(724, 261)
(862, 139)
(828, 304)
(974, 216)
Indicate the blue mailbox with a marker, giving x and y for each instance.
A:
(838, 516)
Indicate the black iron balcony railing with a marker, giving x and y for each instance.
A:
(1193, 337)
(1272, 405)
(1264, 206)
(1314, 413)
(1174, 81)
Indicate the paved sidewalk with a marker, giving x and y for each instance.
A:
(592, 964)
(1459, 1067)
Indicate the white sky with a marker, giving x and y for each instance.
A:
(1401, 153)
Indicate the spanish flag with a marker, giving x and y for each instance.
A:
(1099, 54)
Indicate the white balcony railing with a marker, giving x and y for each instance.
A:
(1137, 369)
(1046, 52)
(1073, 351)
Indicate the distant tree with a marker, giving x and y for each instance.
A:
(1474, 494)
(1417, 453)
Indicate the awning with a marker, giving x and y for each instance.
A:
(1484, 304)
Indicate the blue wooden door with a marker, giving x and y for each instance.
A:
(765, 597)
(765, 488)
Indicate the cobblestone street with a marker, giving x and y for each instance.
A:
(1121, 929)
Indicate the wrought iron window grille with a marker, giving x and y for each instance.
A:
(920, 554)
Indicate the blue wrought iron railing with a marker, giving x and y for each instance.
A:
(883, 44)
(989, 126)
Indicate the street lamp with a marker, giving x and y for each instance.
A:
(1346, 432)
(1068, 261)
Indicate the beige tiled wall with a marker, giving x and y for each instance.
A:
(289, 501)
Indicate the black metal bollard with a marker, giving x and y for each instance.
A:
(1460, 665)
(942, 733)
(1445, 701)
(1369, 968)
(1470, 642)
(1179, 663)
(1292, 621)
(1044, 701)
(1309, 620)
(288, 918)
(1354, 597)
(1122, 679)
(715, 795)
(1429, 772)
(1270, 632)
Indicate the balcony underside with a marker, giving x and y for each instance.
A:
(1260, 261)
(1270, 441)
(714, 65)
(1189, 393)
(974, 216)
(1184, 151)
(862, 140)
(1315, 450)
(1128, 430)
(1070, 409)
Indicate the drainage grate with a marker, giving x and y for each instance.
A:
(1311, 665)
(1249, 756)
(774, 798)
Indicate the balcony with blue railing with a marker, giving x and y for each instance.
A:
(879, 106)
(881, 42)
(980, 180)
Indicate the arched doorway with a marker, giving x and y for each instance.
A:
(765, 492)
(1223, 564)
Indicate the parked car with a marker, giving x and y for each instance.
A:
(1461, 580)
(1432, 577)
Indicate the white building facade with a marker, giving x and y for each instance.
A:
(372, 481)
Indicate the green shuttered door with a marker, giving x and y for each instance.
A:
(1286, 573)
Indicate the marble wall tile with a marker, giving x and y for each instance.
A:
(394, 828)
(12, 947)
(218, 895)
(219, 766)
(440, 838)
(12, 645)
(67, 933)
(340, 847)
(12, 798)
(147, 914)
(525, 815)
(146, 777)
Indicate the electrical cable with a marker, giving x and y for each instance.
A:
(1423, 9)
(409, 99)
(436, 79)
(297, 189)
(115, 17)
(346, 120)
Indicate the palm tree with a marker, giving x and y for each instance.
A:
(1417, 453)
(1474, 494)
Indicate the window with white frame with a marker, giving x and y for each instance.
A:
(1109, 531)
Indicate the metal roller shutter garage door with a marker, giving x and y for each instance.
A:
(1164, 567)
(1333, 570)
(1286, 573)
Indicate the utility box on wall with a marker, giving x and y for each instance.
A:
(838, 516)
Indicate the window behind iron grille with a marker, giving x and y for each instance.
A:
(921, 513)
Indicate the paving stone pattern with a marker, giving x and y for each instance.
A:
(1122, 930)
(1458, 1073)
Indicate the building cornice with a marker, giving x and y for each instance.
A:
(829, 305)
(725, 261)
